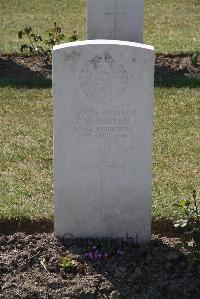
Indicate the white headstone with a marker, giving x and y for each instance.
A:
(116, 20)
(103, 92)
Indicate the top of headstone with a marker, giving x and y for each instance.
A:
(103, 42)
(115, 19)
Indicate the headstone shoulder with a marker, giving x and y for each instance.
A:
(102, 42)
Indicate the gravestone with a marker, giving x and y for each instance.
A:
(115, 20)
(103, 92)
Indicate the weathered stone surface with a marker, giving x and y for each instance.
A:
(103, 92)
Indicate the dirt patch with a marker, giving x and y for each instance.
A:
(29, 268)
(27, 67)
(22, 65)
(24, 71)
(176, 65)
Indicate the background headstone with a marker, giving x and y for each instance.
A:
(103, 93)
(115, 20)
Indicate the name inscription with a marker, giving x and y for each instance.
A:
(86, 122)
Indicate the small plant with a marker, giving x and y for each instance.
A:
(42, 47)
(73, 38)
(190, 227)
(68, 264)
(194, 57)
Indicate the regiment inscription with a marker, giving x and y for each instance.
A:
(102, 123)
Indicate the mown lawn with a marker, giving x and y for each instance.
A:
(26, 109)
(26, 150)
(176, 163)
(26, 153)
(171, 26)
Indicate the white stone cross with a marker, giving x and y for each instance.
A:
(116, 20)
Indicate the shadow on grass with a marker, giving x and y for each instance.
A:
(176, 81)
(28, 226)
(21, 76)
(26, 83)
(162, 226)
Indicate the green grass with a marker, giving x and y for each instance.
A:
(40, 14)
(176, 164)
(26, 150)
(26, 153)
(171, 26)
(26, 108)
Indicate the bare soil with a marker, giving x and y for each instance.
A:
(24, 67)
(30, 260)
(176, 65)
(29, 268)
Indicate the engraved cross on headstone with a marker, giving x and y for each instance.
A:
(116, 19)
(115, 13)
(103, 167)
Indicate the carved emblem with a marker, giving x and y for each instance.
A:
(102, 80)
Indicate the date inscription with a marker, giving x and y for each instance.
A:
(87, 122)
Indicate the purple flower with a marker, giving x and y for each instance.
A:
(120, 252)
(89, 255)
(99, 256)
